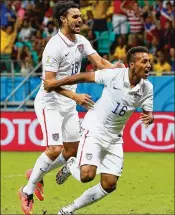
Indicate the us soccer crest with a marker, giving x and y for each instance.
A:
(55, 136)
(80, 48)
(88, 156)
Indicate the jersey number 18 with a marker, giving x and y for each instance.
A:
(75, 67)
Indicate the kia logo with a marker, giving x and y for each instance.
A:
(158, 134)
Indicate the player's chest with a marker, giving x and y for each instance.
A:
(125, 96)
(71, 55)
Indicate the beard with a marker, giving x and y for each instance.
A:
(72, 29)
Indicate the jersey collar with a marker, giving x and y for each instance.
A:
(65, 39)
(127, 83)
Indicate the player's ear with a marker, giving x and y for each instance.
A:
(131, 65)
(62, 18)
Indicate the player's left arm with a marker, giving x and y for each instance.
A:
(147, 107)
(147, 118)
(101, 63)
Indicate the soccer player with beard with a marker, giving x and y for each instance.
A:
(56, 110)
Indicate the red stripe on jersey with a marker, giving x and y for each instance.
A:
(82, 148)
(44, 115)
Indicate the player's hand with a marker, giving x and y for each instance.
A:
(146, 119)
(50, 84)
(119, 64)
(84, 100)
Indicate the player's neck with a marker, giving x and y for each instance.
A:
(71, 37)
(133, 79)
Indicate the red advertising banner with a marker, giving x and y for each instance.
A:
(158, 137)
(21, 132)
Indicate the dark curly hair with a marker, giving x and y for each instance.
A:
(61, 9)
(132, 51)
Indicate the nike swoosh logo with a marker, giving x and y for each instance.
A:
(116, 88)
(43, 170)
(66, 54)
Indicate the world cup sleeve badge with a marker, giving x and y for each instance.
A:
(48, 60)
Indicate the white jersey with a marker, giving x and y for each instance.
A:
(63, 57)
(118, 101)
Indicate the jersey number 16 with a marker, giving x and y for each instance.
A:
(122, 110)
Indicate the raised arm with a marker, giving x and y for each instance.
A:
(122, 7)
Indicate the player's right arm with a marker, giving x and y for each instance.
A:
(81, 99)
(100, 77)
(53, 84)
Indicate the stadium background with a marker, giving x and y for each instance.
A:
(147, 184)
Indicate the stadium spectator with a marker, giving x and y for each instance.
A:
(150, 28)
(26, 31)
(120, 50)
(134, 40)
(167, 14)
(172, 59)
(161, 64)
(134, 15)
(8, 36)
(48, 14)
(20, 12)
(168, 35)
(92, 37)
(28, 3)
(50, 30)
(157, 9)
(99, 11)
(90, 19)
(119, 19)
(25, 58)
(7, 13)
(154, 46)
(85, 6)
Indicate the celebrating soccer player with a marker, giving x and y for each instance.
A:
(100, 149)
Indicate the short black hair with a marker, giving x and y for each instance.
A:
(131, 53)
(61, 9)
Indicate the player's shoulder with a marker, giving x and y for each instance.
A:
(53, 45)
(116, 74)
(53, 40)
(147, 85)
(119, 72)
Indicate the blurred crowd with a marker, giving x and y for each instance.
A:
(26, 26)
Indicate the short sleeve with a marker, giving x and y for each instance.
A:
(105, 76)
(147, 104)
(51, 59)
(88, 49)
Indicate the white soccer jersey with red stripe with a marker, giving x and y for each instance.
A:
(63, 57)
(118, 101)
